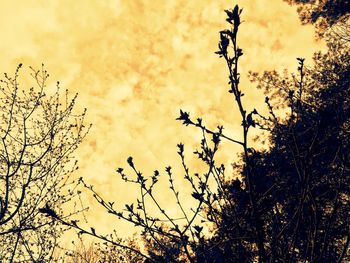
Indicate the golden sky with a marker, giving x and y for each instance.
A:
(135, 63)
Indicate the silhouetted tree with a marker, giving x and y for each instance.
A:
(302, 180)
(325, 14)
(287, 203)
(313, 10)
(38, 134)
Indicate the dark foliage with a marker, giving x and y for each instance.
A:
(330, 10)
(302, 181)
(328, 16)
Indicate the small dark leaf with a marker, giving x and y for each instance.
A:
(198, 196)
(250, 120)
(130, 162)
(48, 211)
(185, 117)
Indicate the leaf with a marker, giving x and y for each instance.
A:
(48, 211)
(185, 117)
(181, 148)
(250, 120)
(198, 196)
(239, 52)
(168, 169)
(130, 208)
(233, 16)
(198, 228)
(74, 223)
(130, 162)
(301, 60)
(224, 42)
(216, 138)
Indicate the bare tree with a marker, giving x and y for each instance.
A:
(39, 132)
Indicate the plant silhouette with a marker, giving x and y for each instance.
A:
(287, 203)
(39, 133)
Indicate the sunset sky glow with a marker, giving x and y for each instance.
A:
(135, 63)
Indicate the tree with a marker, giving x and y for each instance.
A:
(39, 132)
(313, 10)
(302, 180)
(325, 14)
(287, 203)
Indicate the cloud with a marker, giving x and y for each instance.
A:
(136, 63)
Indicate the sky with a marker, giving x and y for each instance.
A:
(135, 63)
